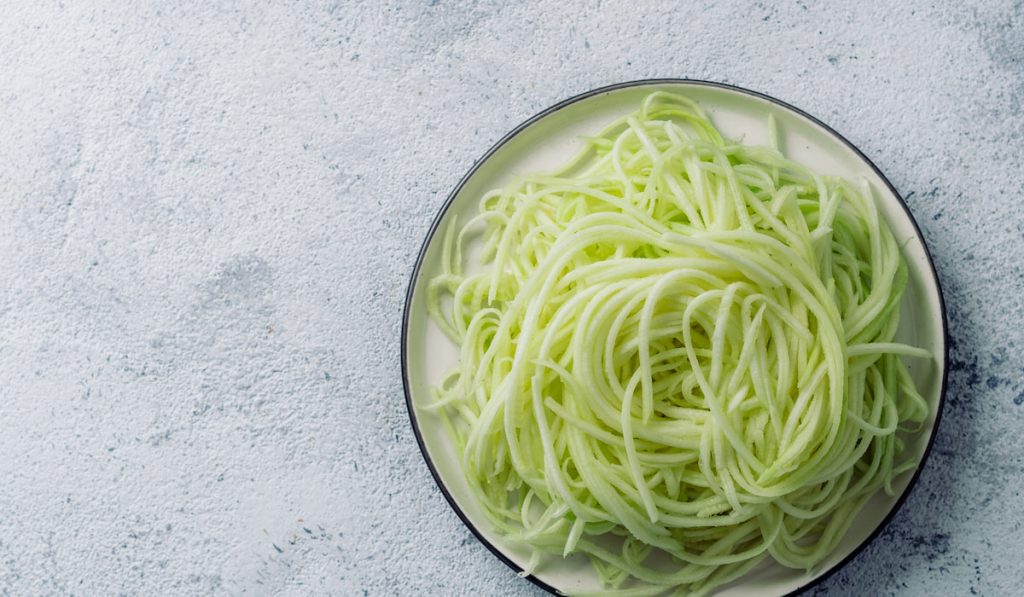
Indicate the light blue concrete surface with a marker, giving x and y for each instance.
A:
(209, 213)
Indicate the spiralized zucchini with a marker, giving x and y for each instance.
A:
(678, 356)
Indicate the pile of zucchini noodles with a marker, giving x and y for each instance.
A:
(678, 356)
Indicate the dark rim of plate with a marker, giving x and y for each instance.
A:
(640, 83)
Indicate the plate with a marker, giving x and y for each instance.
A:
(548, 140)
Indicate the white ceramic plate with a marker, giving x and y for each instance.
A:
(547, 140)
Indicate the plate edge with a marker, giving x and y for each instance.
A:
(435, 224)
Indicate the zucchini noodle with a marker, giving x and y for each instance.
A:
(678, 356)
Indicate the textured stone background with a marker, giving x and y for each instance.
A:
(208, 215)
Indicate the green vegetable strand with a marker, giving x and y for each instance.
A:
(678, 356)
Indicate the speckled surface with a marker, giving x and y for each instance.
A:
(209, 213)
